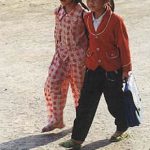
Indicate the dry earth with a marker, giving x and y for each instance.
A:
(26, 50)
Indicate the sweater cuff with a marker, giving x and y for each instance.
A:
(127, 67)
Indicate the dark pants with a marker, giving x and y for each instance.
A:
(95, 83)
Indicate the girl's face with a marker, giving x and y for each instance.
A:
(66, 2)
(96, 5)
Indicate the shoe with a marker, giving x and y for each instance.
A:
(49, 127)
(71, 144)
(118, 136)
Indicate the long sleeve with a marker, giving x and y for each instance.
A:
(123, 45)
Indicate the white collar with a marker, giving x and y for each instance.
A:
(99, 18)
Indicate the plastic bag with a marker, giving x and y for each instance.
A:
(132, 102)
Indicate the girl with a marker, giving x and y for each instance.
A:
(108, 63)
(67, 66)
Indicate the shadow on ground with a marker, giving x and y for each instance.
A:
(97, 144)
(33, 141)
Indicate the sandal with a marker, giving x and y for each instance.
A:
(49, 127)
(118, 136)
(71, 144)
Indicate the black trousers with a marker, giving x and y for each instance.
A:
(95, 83)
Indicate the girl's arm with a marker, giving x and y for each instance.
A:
(123, 45)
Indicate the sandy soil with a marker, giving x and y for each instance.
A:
(26, 50)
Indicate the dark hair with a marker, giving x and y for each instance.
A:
(112, 5)
(82, 4)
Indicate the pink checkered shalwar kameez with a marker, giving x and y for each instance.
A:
(67, 66)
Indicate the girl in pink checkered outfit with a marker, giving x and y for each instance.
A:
(67, 66)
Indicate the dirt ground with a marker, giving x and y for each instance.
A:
(26, 50)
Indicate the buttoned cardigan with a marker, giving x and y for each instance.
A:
(109, 45)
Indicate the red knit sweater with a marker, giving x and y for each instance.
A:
(109, 45)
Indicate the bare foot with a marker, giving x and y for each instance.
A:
(49, 127)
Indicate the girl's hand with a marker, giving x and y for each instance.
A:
(125, 76)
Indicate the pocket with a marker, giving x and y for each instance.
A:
(112, 54)
(111, 76)
(114, 79)
(114, 75)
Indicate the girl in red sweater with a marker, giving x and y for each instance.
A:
(108, 63)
